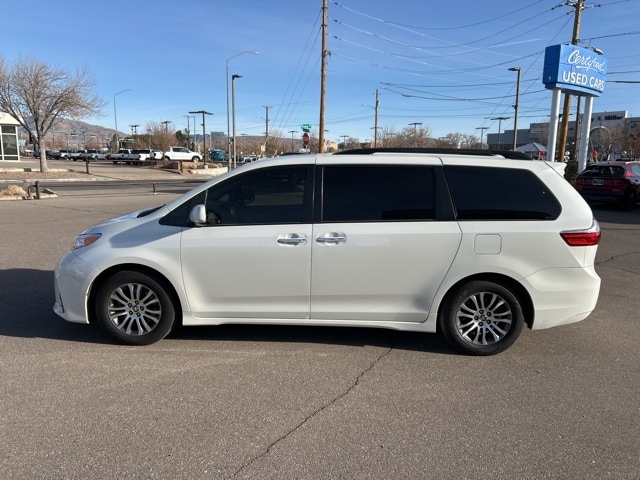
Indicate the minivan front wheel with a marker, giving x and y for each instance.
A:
(481, 318)
(134, 308)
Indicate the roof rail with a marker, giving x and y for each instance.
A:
(451, 151)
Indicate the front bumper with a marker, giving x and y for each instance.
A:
(72, 281)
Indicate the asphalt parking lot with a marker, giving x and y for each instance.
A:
(292, 403)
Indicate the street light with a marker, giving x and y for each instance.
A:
(515, 107)
(233, 113)
(227, 80)
(115, 116)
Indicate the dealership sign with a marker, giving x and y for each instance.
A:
(574, 69)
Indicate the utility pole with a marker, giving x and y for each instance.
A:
(292, 132)
(134, 132)
(266, 130)
(166, 125)
(204, 138)
(323, 75)
(188, 117)
(415, 132)
(578, 5)
(482, 129)
(499, 128)
(515, 107)
(375, 127)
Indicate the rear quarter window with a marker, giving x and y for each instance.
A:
(489, 193)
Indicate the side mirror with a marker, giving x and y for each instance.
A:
(198, 215)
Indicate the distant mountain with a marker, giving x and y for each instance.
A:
(76, 134)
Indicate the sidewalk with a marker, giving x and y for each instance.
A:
(18, 179)
(27, 170)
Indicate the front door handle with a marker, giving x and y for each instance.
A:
(331, 238)
(292, 239)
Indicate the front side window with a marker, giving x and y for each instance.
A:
(269, 196)
(377, 193)
(489, 193)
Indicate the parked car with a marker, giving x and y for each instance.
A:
(471, 244)
(216, 155)
(611, 182)
(182, 154)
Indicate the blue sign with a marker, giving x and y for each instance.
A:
(574, 69)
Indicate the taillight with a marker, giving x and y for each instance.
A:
(583, 238)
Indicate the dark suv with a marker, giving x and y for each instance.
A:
(611, 182)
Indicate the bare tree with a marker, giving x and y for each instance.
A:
(459, 140)
(160, 137)
(277, 143)
(35, 94)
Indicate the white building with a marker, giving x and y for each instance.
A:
(9, 138)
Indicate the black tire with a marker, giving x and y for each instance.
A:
(167, 158)
(481, 318)
(195, 159)
(629, 201)
(134, 308)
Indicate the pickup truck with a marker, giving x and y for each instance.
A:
(124, 156)
(90, 155)
(182, 154)
(75, 155)
(143, 154)
(61, 155)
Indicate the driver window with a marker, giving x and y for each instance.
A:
(269, 196)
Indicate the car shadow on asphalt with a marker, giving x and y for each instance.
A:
(27, 311)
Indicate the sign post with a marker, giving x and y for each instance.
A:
(573, 70)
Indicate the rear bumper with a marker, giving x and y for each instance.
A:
(595, 195)
(562, 295)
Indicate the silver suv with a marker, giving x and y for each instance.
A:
(470, 244)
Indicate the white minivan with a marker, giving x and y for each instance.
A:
(473, 244)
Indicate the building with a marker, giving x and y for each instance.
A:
(9, 138)
(602, 126)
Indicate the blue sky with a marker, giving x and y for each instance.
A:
(443, 64)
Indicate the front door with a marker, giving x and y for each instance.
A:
(253, 257)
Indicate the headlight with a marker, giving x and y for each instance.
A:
(86, 239)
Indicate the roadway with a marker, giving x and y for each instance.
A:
(292, 402)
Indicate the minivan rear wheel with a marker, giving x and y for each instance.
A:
(134, 308)
(481, 318)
